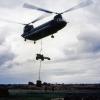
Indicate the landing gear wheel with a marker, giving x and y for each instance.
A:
(34, 42)
(52, 36)
(24, 39)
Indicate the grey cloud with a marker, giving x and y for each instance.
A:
(4, 31)
(16, 3)
(37, 2)
(24, 63)
(62, 72)
(93, 14)
(6, 56)
(75, 57)
(95, 8)
(88, 47)
(90, 42)
(10, 3)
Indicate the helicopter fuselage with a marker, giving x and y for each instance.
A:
(45, 29)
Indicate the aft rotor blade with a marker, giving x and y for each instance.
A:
(39, 18)
(26, 5)
(80, 5)
(9, 21)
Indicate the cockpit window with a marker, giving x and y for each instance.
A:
(28, 28)
(59, 19)
(58, 16)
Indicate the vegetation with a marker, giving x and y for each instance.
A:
(48, 91)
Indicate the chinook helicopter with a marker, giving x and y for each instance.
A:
(44, 30)
(50, 27)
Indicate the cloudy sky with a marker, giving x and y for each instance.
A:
(74, 52)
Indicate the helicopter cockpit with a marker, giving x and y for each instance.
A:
(28, 28)
(58, 18)
(59, 21)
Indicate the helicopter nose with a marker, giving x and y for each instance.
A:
(64, 23)
(22, 35)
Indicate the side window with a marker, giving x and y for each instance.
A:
(59, 19)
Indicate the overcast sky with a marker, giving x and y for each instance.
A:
(74, 52)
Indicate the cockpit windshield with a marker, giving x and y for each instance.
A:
(28, 28)
(58, 18)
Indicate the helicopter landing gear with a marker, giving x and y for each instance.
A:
(25, 39)
(52, 36)
(34, 42)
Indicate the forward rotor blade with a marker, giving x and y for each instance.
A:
(9, 21)
(39, 18)
(26, 5)
(80, 5)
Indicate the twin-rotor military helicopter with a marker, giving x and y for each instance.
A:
(48, 28)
